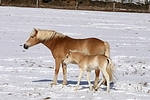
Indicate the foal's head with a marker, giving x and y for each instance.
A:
(68, 58)
(73, 56)
(33, 40)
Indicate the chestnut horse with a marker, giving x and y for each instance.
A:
(60, 44)
(91, 62)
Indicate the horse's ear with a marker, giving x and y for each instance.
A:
(69, 51)
(36, 31)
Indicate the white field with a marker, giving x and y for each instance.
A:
(26, 74)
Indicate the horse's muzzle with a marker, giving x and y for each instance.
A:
(25, 46)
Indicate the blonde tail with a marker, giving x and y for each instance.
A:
(110, 69)
(107, 51)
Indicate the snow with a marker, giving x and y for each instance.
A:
(26, 74)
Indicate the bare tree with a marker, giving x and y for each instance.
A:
(146, 1)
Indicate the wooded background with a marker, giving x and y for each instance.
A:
(99, 5)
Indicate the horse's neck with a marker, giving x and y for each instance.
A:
(50, 43)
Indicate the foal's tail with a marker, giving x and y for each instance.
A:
(110, 69)
(107, 49)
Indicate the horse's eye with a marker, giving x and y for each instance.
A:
(32, 36)
(67, 56)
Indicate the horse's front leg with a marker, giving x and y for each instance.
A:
(97, 72)
(88, 79)
(64, 67)
(79, 78)
(97, 87)
(57, 66)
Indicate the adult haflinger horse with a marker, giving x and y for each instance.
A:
(60, 44)
(91, 62)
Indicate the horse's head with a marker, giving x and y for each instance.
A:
(68, 58)
(33, 40)
(71, 57)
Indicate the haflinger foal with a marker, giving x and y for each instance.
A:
(91, 62)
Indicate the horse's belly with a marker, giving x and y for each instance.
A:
(92, 67)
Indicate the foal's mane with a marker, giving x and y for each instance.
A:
(47, 34)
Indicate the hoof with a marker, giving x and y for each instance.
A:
(91, 88)
(76, 89)
(96, 89)
(64, 83)
(108, 91)
(53, 83)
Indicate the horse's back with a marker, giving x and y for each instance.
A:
(95, 46)
(91, 46)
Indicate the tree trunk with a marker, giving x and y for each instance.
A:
(0, 2)
(146, 1)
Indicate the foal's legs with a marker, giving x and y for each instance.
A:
(79, 78)
(88, 79)
(99, 83)
(97, 72)
(107, 79)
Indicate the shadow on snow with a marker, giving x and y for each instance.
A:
(60, 81)
(75, 82)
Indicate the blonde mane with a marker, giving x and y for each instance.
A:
(47, 34)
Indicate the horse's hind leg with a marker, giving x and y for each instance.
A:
(107, 79)
(97, 72)
(88, 79)
(79, 78)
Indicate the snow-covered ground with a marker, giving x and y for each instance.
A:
(26, 74)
